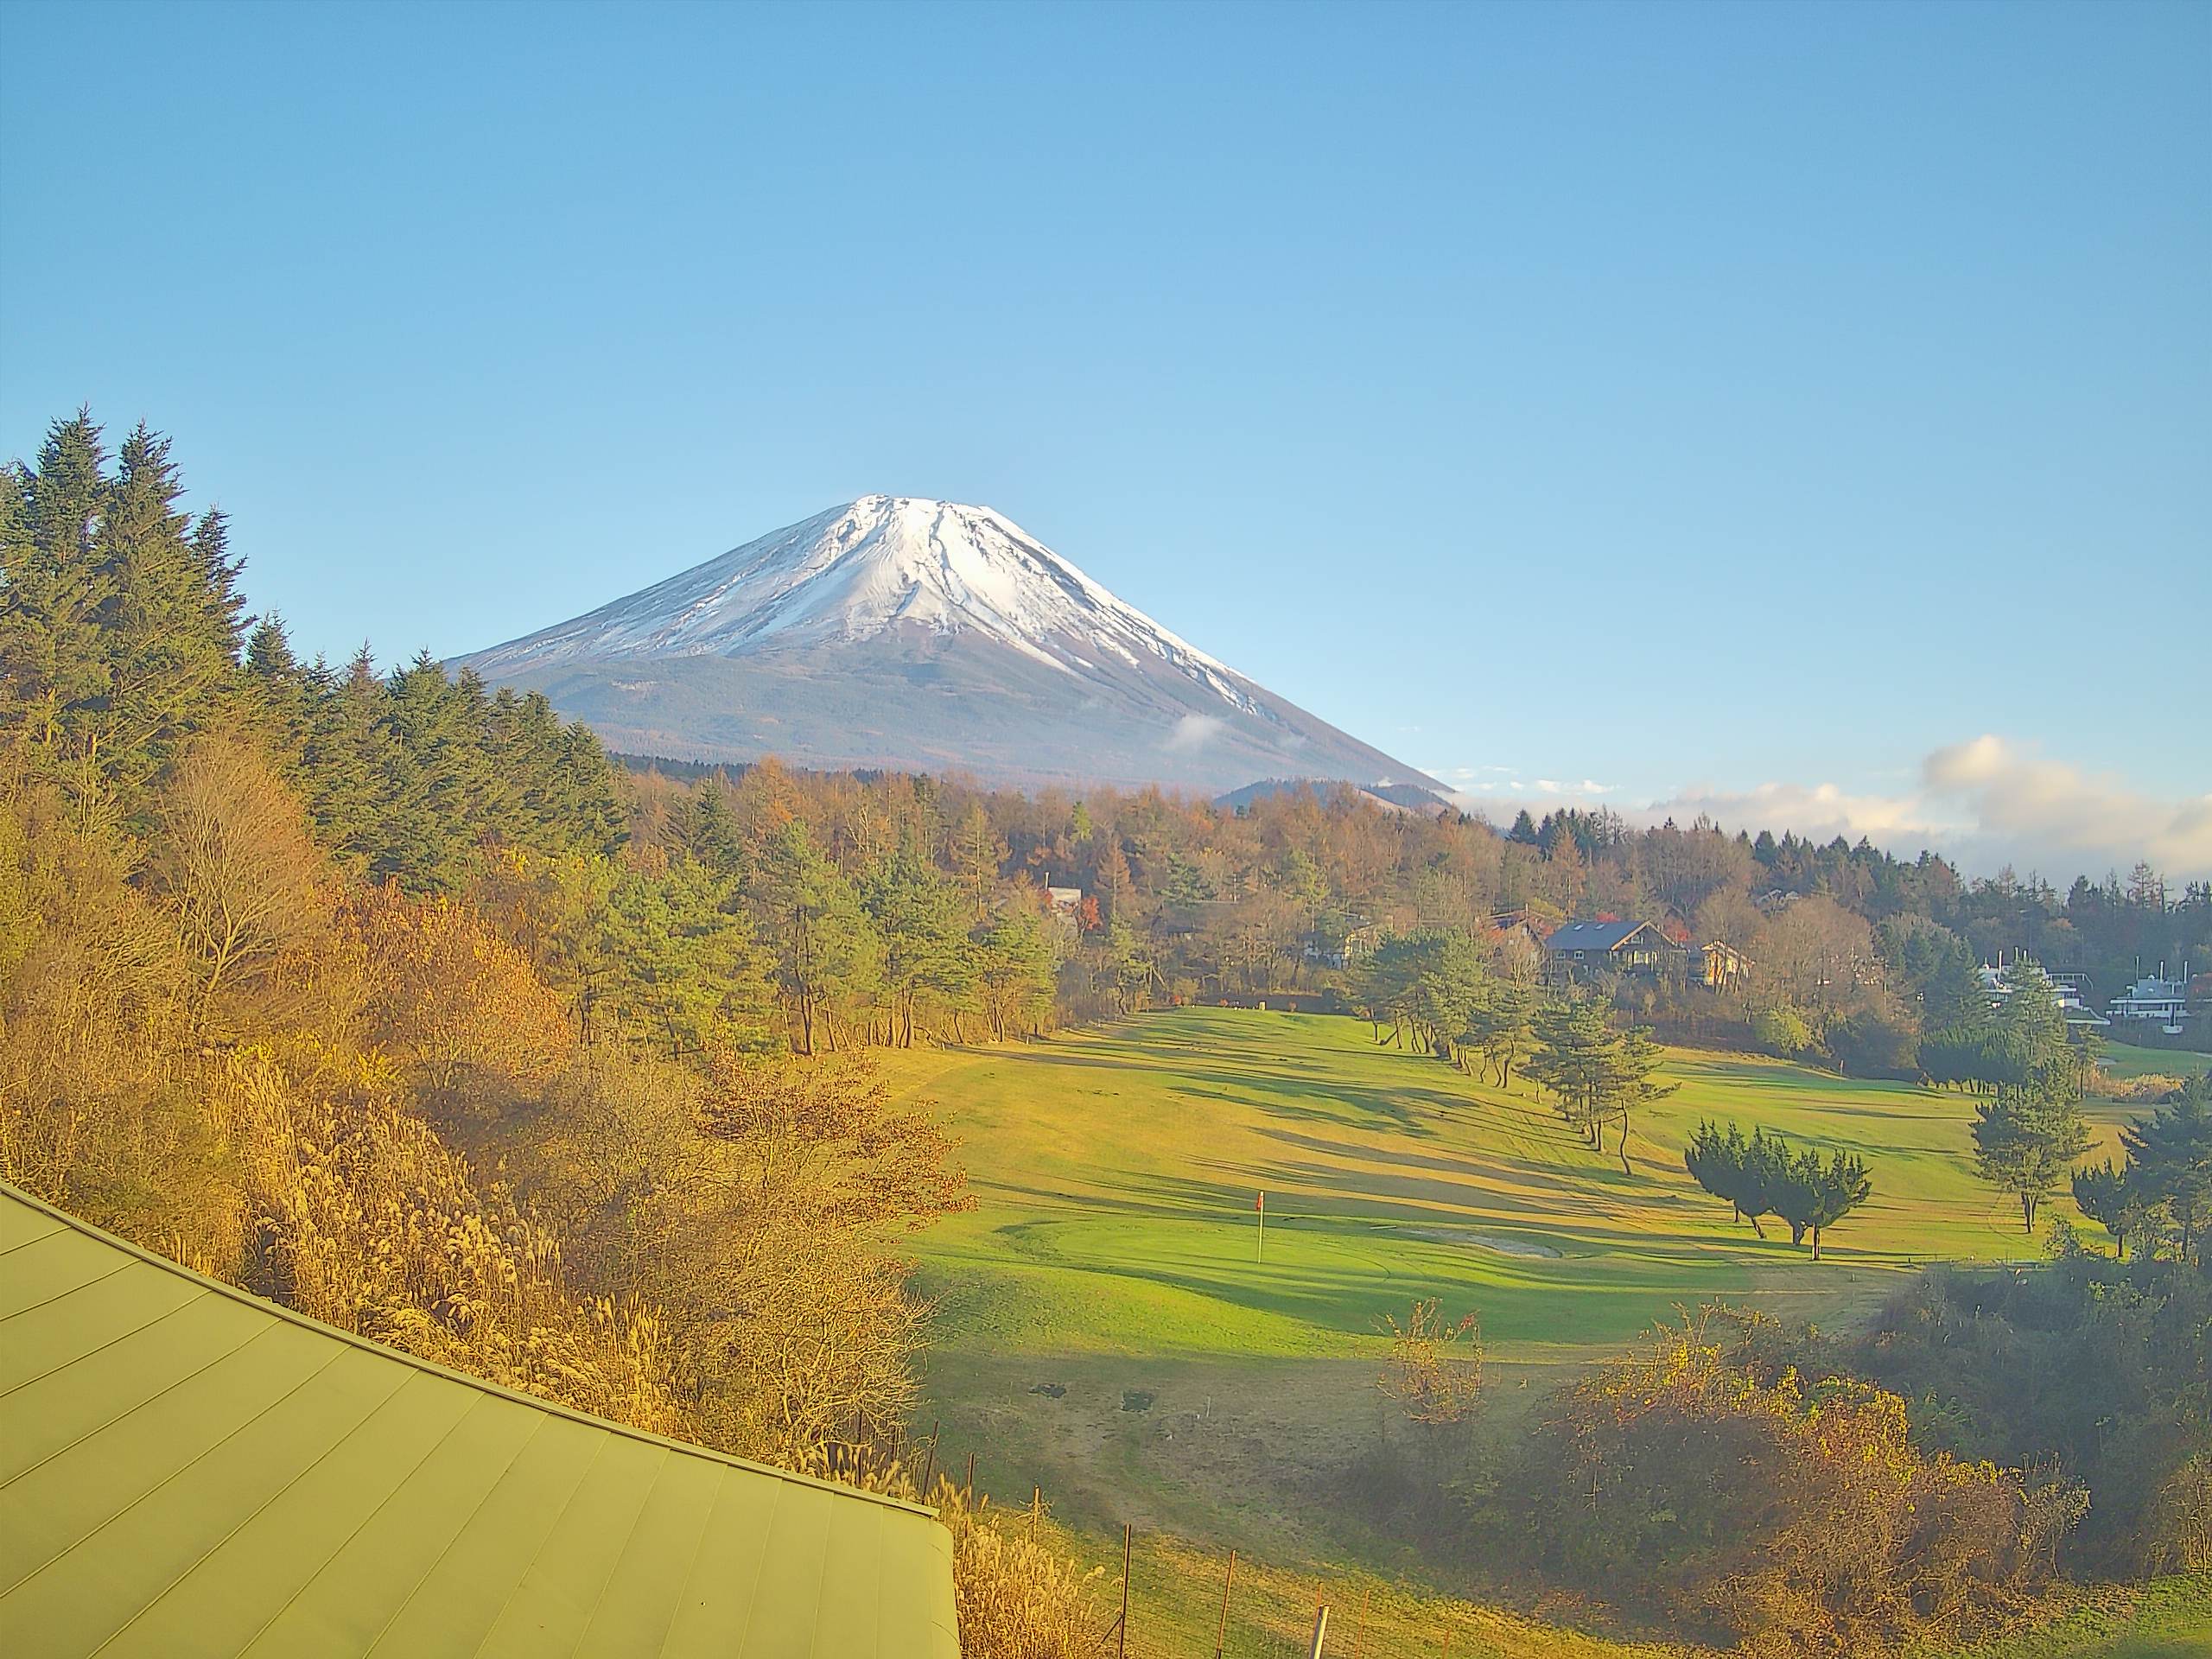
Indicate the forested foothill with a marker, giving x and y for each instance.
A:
(397, 1000)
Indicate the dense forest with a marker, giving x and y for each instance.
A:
(1852, 957)
(399, 1001)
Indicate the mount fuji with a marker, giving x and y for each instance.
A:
(921, 635)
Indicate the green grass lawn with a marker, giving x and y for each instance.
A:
(2127, 1060)
(1116, 1171)
(1108, 1328)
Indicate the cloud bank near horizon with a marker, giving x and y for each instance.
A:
(1983, 804)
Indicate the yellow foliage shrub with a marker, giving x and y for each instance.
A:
(2181, 1519)
(96, 1109)
(365, 1220)
(451, 998)
(1754, 1505)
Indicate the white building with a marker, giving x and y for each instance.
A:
(2069, 988)
(2153, 999)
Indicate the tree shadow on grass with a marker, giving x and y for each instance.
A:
(1312, 1099)
(1276, 1097)
(1574, 1297)
(1489, 1184)
(1326, 1190)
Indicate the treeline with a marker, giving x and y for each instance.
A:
(2109, 928)
(1850, 957)
(290, 956)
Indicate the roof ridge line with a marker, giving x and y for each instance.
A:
(278, 1311)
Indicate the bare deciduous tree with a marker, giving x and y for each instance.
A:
(235, 863)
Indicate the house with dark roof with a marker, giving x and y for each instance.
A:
(1581, 951)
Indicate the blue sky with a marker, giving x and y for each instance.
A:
(1803, 411)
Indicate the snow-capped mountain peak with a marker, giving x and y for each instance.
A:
(924, 636)
(864, 568)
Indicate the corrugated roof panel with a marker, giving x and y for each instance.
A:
(465, 1593)
(47, 1337)
(554, 1601)
(852, 1606)
(79, 1396)
(50, 1267)
(238, 1586)
(20, 1223)
(725, 1576)
(301, 1533)
(917, 1581)
(787, 1607)
(366, 1584)
(106, 1578)
(94, 1479)
(637, 1604)
(187, 1471)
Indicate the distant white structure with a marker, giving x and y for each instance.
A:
(2150, 999)
(2069, 989)
(1064, 901)
(2072, 1002)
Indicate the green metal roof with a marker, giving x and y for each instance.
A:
(186, 1469)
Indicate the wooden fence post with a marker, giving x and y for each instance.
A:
(1123, 1647)
(1221, 1632)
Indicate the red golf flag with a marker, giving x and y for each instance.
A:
(1260, 1203)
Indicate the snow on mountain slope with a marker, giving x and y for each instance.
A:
(854, 571)
(898, 632)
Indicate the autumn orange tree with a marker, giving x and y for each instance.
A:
(232, 857)
(452, 1001)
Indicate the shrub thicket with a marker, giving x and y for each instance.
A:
(1749, 1502)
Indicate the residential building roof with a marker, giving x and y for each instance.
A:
(1592, 935)
(185, 1470)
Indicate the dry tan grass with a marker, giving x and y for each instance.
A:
(1019, 1598)
(364, 1219)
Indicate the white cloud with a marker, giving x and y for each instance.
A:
(1474, 787)
(1983, 803)
(1818, 811)
(1194, 732)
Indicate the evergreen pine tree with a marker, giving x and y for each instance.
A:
(1576, 1058)
(2169, 1163)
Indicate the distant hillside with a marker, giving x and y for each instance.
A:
(1410, 797)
